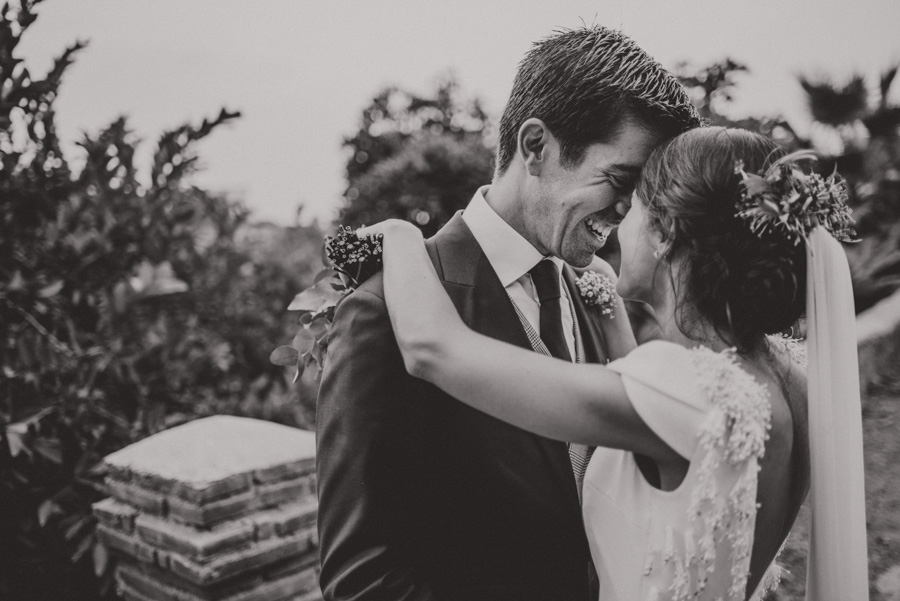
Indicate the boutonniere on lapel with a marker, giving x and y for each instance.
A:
(354, 261)
(598, 290)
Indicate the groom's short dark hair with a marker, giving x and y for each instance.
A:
(585, 84)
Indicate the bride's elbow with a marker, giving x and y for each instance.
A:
(420, 355)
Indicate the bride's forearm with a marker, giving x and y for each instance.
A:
(553, 398)
(617, 333)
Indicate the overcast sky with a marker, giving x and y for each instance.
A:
(300, 71)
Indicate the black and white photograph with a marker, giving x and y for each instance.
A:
(586, 300)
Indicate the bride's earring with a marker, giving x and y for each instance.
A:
(656, 254)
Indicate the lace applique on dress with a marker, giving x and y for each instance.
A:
(795, 349)
(715, 548)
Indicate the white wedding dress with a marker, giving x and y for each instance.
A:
(694, 542)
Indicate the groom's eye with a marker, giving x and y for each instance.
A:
(623, 184)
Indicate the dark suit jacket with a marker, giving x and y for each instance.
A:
(422, 497)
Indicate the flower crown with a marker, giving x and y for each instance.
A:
(791, 202)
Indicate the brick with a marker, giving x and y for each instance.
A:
(146, 585)
(310, 561)
(135, 584)
(130, 571)
(216, 511)
(254, 557)
(284, 520)
(194, 543)
(133, 495)
(124, 544)
(129, 594)
(294, 469)
(283, 492)
(119, 472)
(206, 492)
(204, 453)
(283, 588)
(114, 514)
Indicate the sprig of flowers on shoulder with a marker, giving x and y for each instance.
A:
(354, 260)
(598, 290)
(788, 200)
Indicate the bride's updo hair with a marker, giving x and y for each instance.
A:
(744, 285)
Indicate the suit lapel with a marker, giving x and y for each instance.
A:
(485, 307)
(473, 285)
(591, 336)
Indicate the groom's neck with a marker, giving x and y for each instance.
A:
(506, 198)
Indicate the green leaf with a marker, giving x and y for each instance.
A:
(284, 355)
(310, 299)
(303, 340)
(327, 290)
(325, 274)
(17, 282)
(101, 558)
(47, 510)
(74, 529)
(120, 297)
(83, 547)
(164, 282)
(52, 289)
(316, 352)
(301, 365)
(319, 326)
(49, 449)
(18, 438)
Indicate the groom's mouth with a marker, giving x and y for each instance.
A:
(599, 229)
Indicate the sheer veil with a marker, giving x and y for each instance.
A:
(838, 559)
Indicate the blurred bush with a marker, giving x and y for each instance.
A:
(125, 308)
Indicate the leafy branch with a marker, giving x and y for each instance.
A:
(354, 261)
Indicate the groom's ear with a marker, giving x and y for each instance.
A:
(534, 145)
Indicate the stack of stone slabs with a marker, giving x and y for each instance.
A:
(219, 509)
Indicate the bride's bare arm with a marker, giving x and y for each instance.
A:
(547, 396)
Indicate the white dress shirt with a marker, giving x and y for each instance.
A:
(512, 257)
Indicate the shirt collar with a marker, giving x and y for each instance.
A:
(511, 255)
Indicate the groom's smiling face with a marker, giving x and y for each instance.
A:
(571, 209)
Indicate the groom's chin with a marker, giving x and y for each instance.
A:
(581, 259)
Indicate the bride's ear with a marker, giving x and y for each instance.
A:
(535, 144)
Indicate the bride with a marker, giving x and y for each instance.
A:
(705, 439)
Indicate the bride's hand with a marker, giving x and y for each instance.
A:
(392, 230)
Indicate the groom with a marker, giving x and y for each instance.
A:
(420, 496)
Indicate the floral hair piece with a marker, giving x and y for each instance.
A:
(791, 202)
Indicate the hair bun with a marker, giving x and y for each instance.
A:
(770, 294)
(743, 284)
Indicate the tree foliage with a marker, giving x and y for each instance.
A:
(858, 131)
(416, 158)
(126, 306)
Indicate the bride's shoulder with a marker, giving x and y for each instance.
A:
(655, 357)
(656, 349)
(711, 379)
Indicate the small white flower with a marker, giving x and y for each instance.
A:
(597, 290)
